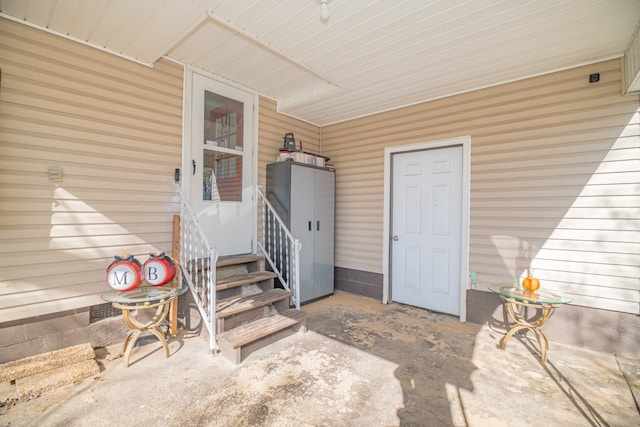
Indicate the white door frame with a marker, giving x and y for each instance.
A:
(187, 85)
(465, 142)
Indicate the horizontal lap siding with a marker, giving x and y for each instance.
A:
(114, 127)
(555, 182)
(271, 129)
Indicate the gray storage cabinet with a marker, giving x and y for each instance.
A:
(304, 197)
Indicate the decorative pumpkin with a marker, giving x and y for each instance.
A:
(531, 283)
(159, 269)
(124, 273)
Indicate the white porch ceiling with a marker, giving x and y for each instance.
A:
(370, 56)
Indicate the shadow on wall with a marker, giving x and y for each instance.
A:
(563, 210)
(72, 249)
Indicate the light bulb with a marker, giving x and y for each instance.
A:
(324, 10)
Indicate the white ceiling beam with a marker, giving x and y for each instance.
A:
(274, 50)
(632, 63)
(308, 96)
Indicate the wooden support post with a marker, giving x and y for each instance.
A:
(175, 255)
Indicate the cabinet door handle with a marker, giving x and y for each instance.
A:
(309, 225)
(317, 225)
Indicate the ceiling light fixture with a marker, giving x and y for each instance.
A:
(324, 9)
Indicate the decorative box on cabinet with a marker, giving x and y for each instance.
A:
(304, 197)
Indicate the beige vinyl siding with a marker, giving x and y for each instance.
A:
(555, 182)
(114, 127)
(271, 129)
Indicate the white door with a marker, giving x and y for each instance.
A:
(220, 168)
(426, 228)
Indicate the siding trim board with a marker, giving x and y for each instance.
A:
(73, 39)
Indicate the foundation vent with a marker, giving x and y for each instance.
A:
(102, 311)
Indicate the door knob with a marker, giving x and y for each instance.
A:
(396, 238)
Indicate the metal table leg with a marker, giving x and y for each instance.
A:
(513, 307)
(137, 327)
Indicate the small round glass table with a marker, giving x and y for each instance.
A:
(516, 299)
(143, 298)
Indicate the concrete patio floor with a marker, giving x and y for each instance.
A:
(361, 364)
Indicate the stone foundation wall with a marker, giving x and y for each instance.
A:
(597, 330)
(358, 282)
(37, 335)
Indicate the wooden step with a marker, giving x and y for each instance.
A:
(244, 279)
(196, 266)
(232, 342)
(230, 306)
(225, 261)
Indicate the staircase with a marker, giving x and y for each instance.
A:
(249, 312)
(234, 294)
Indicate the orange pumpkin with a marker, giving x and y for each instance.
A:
(531, 283)
(124, 273)
(159, 269)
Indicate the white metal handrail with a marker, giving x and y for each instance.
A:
(198, 260)
(280, 248)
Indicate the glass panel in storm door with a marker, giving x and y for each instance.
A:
(222, 180)
(223, 148)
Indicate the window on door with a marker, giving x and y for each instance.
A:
(223, 148)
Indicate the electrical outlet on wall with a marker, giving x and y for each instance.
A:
(474, 279)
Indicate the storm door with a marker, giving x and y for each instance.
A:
(221, 170)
